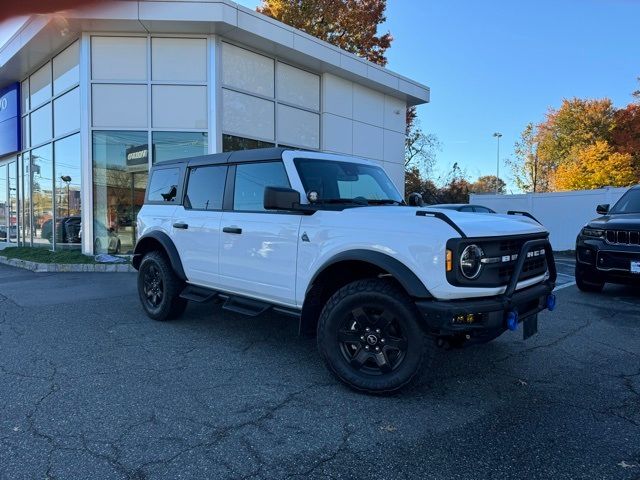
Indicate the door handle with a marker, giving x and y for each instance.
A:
(181, 225)
(235, 230)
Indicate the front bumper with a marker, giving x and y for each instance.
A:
(611, 263)
(488, 316)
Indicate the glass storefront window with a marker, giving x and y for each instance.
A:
(172, 145)
(231, 143)
(13, 202)
(40, 85)
(24, 180)
(66, 113)
(68, 192)
(4, 205)
(66, 69)
(41, 125)
(119, 183)
(42, 196)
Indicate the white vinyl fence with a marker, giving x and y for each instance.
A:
(562, 213)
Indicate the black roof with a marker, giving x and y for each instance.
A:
(238, 156)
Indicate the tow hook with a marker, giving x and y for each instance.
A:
(551, 302)
(512, 320)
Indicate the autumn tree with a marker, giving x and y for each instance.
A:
(625, 137)
(420, 148)
(596, 166)
(529, 173)
(578, 123)
(487, 184)
(351, 25)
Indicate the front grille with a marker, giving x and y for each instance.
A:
(501, 255)
(623, 237)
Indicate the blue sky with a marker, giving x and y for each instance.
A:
(495, 66)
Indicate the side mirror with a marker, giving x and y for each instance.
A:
(602, 209)
(280, 198)
(415, 200)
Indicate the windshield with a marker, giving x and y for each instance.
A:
(629, 203)
(345, 181)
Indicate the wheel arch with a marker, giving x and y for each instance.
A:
(162, 242)
(347, 267)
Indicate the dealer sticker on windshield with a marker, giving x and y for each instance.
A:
(635, 267)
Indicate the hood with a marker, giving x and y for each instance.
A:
(629, 221)
(472, 224)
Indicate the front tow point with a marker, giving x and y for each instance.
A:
(551, 302)
(512, 320)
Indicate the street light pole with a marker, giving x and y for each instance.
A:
(497, 135)
(67, 179)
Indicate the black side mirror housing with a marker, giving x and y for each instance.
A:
(280, 198)
(602, 209)
(415, 200)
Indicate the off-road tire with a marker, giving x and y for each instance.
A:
(586, 282)
(169, 306)
(372, 295)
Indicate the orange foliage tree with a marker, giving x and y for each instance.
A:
(596, 166)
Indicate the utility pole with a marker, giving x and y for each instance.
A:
(497, 135)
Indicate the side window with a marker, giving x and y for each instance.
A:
(205, 189)
(251, 180)
(482, 210)
(163, 186)
(466, 209)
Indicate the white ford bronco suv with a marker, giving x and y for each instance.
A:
(329, 240)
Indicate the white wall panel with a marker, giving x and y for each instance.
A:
(298, 87)
(396, 174)
(337, 134)
(395, 114)
(562, 213)
(249, 116)
(119, 106)
(298, 127)
(179, 59)
(367, 141)
(337, 95)
(246, 70)
(119, 58)
(368, 105)
(394, 147)
(179, 106)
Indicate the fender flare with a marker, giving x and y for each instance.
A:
(168, 246)
(403, 274)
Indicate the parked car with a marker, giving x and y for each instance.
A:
(463, 207)
(8, 233)
(608, 247)
(329, 240)
(67, 229)
(103, 237)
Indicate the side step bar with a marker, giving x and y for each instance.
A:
(234, 303)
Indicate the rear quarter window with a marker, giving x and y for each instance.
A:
(164, 185)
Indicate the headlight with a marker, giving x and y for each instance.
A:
(593, 232)
(470, 264)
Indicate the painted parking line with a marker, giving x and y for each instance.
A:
(564, 285)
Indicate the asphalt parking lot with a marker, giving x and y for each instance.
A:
(91, 388)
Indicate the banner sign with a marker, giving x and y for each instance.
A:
(10, 119)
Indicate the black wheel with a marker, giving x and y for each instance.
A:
(369, 337)
(588, 281)
(159, 288)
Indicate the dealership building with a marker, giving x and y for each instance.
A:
(91, 98)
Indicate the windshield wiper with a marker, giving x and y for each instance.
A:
(352, 201)
(386, 201)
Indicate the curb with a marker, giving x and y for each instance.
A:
(68, 267)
